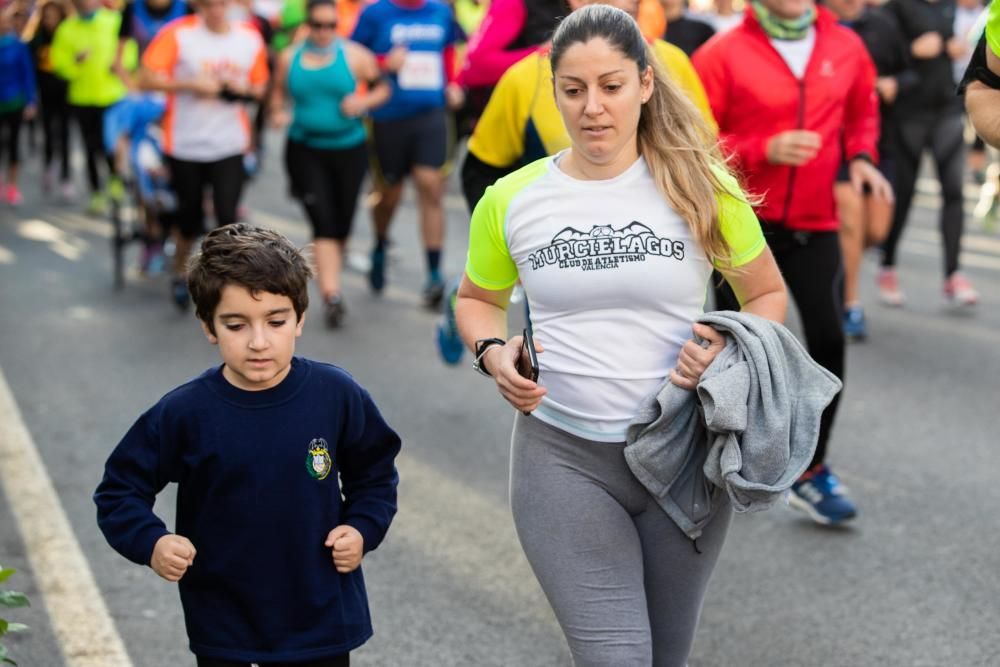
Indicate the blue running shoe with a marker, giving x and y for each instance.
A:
(854, 323)
(179, 294)
(820, 494)
(433, 291)
(449, 343)
(376, 273)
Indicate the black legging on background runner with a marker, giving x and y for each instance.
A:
(327, 183)
(55, 128)
(942, 134)
(91, 122)
(813, 269)
(189, 179)
(10, 130)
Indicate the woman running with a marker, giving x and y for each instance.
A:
(17, 100)
(326, 155)
(211, 68)
(614, 240)
(52, 95)
(83, 52)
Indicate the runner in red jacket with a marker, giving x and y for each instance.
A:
(755, 97)
(794, 95)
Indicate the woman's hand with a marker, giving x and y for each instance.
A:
(501, 362)
(694, 359)
(928, 45)
(280, 118)
(353, 106)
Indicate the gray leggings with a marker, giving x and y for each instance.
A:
(625, 583)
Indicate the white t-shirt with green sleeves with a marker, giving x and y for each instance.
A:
(614, 279)
(993, 28)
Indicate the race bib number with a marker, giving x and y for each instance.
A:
(421, 70)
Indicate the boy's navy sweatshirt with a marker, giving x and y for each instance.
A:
(254, 501)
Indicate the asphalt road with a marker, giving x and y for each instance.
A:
(914, 581)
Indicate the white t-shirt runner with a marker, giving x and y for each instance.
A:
(195, 128)
(614, 279)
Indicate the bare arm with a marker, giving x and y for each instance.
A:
(118, 68)
(482, 313)
(759, 287)
(367, 69)
(983, 105)
(157, 81)
(277, 106)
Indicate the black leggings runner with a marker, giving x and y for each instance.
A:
(55, 128)
(91, 122)
(10, 130)
(327, 182)
(814, 272)
(189, 180)
(942, 134)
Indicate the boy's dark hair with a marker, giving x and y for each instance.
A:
(258, 259)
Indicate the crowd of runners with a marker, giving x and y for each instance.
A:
(827, 127)
(822, 114)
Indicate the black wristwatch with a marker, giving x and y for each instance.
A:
(482, 345)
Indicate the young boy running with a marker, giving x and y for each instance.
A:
(268, 544)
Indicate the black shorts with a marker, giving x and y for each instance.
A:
(418, 141)
(327, 183)
(189, 181)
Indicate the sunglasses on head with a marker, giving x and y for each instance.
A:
(320, 25)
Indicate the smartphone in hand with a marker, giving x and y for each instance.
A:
(527, 361)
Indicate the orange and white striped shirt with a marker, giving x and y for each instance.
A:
(195, 128)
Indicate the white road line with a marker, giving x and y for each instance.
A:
(79, 617)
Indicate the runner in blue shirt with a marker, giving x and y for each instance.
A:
(414, 41)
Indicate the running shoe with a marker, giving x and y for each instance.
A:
(376, 272)
(151, 259)
(855, 327)
(116, 190)
(13, 195)
(251, 164)
(888, 287)
(333, 311)
(97, 205)
(960, 291)
(820, 494)
(179, 294)
(433, 291)
(449, 343)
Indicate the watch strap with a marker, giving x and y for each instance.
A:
(482, 346)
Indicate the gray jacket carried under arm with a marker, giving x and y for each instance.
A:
(750, 427)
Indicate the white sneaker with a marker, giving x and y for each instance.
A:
(960, 291)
